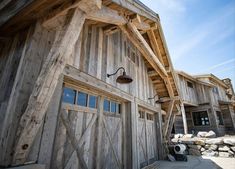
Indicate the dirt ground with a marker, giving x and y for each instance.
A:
(195, 162)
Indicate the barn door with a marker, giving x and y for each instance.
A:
(146, 138)
(112, 136)
(76, 144)
(77, 124)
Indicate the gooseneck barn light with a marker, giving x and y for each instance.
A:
(124, 78)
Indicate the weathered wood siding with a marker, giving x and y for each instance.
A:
(99, 60)
(203, 93)
(97, 52)
(219, 96)
(24, 59)
(187, 93)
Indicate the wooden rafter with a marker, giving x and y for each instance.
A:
(154, 44)
(137, 21)
(107, 15)
(102, 14)
(67, 5)
(46, 83)
(138, 40)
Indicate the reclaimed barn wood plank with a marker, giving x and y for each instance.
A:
(46, 83)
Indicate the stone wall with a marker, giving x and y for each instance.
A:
(218, 147)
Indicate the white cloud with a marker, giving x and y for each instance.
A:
(221, 64)
(205, 30)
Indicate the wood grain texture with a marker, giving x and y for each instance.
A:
(46, 83)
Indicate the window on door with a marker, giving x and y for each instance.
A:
(79, 98)
(200, 118)
(112, 106)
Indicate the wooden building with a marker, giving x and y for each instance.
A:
(58, 108)
(207, 103)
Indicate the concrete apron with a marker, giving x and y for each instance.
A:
(196, 162)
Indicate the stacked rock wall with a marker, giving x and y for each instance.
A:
(221, 146)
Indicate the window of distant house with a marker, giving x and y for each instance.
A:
(189, 84)
(200, 118)
(219, 118)
(69, 95)
(215, 90)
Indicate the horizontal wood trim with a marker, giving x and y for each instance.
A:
(76, 75)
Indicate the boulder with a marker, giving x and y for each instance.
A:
(175, 140)
(210, 134)
(210, 153)
(207, 146)
(202, 149)
(178, 135)
(201, 134)
(213, 147)
(224, 154)
(188, 136)
(216, 141)
(194, 152)
(196, 147)
(223, 148)
(200, 142)
(229, 141)
(188, 141)
(233, 148)
(231, 153)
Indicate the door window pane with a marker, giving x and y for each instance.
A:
(82, 99)
(113, 107)
(69, 95)
(92, 101)
(106, 105)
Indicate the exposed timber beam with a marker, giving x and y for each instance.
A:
(86, 6)
(168, 117)
(154, 44)
(146, 47)
(138, 40)
(156, 50)
(184, 118)
(152, 73)
(44, 88)
(136, 20)
(169, 87)
(106, 15)
(96, 12)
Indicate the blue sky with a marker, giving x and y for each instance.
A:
(200, 34)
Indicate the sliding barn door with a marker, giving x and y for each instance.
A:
(111, 143)
(146, 138)
(84, 117)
